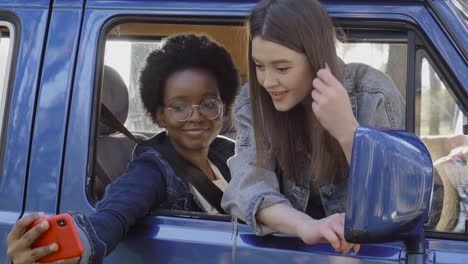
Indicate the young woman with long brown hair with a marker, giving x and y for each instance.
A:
(296, 124)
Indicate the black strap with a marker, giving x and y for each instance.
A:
(108, 118)
(191, 174)
(181, 166)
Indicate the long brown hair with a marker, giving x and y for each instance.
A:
(305, 27)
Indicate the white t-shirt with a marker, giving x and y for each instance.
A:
(220, 182)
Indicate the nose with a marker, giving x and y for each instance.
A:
(269, 79)
(195, 116)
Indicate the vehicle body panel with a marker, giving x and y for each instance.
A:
(30, 34)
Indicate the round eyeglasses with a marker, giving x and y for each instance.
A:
(208, 108)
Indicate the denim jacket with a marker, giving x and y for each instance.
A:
(150, 183)
(375, 102)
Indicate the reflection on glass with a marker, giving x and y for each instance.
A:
(439, 124)
(4, 52)
(127, 57)
(5, 58)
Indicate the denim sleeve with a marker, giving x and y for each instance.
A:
(379, 103)
(250, 188)
(126, 200)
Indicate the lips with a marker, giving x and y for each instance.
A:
(195, 131)
(276, 96)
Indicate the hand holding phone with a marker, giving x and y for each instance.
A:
(62, 231)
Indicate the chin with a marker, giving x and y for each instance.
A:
(283, 107)
(196, 144)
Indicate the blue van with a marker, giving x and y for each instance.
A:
(61, 59)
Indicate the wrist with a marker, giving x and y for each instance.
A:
(302, 226)
(347, 138)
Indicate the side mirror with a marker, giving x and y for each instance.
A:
(389, 188)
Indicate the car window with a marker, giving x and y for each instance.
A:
(389, 58)
(439, 123)
(125, 49)
(437, 120)
(127, 46)
(6, 50)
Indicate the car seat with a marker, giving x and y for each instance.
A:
(114, 150)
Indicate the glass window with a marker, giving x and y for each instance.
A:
(439, 123)
(387, 57)
(6, 40)
(132, 54)
(128, 45)
(125, 51)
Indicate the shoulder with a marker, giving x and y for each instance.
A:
(223, 146)
(243, 99)
(362, 77)
(146, 156)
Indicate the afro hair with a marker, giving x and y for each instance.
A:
(181, 52)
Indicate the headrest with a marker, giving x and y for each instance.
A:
(114, 95)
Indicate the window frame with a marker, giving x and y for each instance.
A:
(6, 81)
(12, 22)
(99, 66)
(415, 41)
(424, 53)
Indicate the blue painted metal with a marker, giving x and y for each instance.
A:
(282, 249)
(52, 111)
(455, 20)
(176, 240)
(68, 3)
(25, 3)
(30, 28)
(190, 6)
(388, 193)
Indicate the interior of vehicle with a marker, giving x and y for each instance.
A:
(437, 116)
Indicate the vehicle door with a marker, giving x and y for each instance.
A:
(118, 35)
(23, 33)
(402, 39)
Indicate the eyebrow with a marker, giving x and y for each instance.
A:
(182, 97)
(279, 61)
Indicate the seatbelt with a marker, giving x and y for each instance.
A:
(108, 118)
(181, 166)
(191, 174)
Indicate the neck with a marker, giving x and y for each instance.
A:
(198, 158)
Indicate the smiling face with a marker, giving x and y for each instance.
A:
(190, 87)
(284, 73)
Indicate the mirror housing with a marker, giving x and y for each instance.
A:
(389, 188)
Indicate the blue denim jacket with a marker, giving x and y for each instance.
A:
(375, 102)
(150, 183)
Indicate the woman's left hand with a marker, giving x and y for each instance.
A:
(332, 107)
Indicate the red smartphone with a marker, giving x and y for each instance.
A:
(62, 230)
